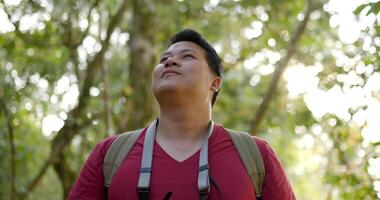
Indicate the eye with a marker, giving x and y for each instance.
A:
(188, 56)
(163, 59)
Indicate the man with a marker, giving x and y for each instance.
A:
(185, 83)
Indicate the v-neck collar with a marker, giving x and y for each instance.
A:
(195, 155)
(210, 133)
(147, 157)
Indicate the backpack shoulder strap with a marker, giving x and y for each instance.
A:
(116, 153)
(251, 157)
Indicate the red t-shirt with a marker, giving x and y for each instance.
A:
(180, 178)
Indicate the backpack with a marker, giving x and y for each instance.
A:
(246, 146)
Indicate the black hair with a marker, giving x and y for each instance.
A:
(213, 59)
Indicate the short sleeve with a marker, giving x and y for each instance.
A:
(276, 185)
(90, 183)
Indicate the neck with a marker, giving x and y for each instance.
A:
(184, 122)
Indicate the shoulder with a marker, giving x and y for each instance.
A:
(275, 177)
(261, 143)
(104, 144)
(263, 146)
(100, 150)
(89, 184)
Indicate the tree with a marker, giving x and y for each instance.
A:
(85, 67)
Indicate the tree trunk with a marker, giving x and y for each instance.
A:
(71, 126)
(8, 118)
(106, 102)
(140, 105)
(281, 66)
(65, 174)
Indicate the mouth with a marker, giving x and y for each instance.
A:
(169, 72)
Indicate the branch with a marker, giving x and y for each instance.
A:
(8, 118)
(67, 34)
(95, 4)
(282, 64)
(98, 60)
(74, 58)
(106, 102)
(15, 24)
(65, 135)
(69, 43)
(65, 174)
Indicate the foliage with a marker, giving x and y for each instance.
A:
(44, 66)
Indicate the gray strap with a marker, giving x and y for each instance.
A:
(117, 152)
(146, 163)
(203, 175)
(251, 157)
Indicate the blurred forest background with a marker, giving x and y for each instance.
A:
(302, 74)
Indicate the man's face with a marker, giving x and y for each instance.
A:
(183, 70)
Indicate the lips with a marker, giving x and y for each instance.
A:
(169, 72)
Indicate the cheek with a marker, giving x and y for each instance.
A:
(157, 71)
(155, 75)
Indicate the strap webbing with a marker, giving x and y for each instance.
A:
(203, 174)
(146, 162)
(251, 157)
(117, 152)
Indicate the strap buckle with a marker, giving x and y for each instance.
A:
(143, 193)
(203, 194)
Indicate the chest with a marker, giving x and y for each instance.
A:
(229, 179)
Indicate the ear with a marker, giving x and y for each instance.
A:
(216, 83)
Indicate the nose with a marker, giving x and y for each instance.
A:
(171, 61)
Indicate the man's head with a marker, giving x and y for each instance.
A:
(195, 62)
(213, 59)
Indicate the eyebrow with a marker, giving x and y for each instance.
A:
(182, 51)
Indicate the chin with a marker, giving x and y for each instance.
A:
(167, 89)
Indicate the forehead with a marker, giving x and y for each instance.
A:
(186, 45)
